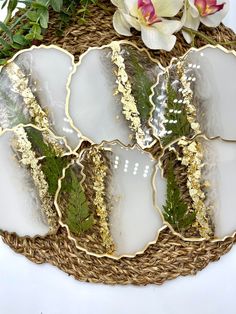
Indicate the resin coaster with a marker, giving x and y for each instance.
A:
(208, 211)
(91, 139)
(29, 159)
(195, 95)
(110, 88)
(113, 185)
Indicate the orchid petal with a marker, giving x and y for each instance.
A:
(190, 22)
(212, 2)
(215, 19)
(132, 7)
(154, 39)
(193, 9)
(201, 5)
(120, 4)
(120, 24)
(168, 26)
(133, 22)
(167, 8)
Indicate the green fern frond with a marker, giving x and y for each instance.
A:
(182, 127)
(78, 216)
(176, 210)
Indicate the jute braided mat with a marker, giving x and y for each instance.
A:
(171, 256)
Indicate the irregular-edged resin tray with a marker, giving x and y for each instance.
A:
(195, 94)
(117, 148)
(116, 184)
(28, 164)
(206, 208)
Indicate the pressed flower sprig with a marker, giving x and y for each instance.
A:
(158, 20)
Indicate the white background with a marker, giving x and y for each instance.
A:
(26, 288)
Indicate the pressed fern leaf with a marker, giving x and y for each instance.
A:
(176, 210)
(78, 216)
(141, 84)
(11, 111)
(182, 126)
(52, 165)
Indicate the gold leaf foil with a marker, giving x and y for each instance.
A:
(101, 171)
(20, 85)
(188, 98)
(28, 158)
(130, 110)
(192, 158)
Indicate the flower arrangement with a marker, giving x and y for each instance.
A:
(158, 20)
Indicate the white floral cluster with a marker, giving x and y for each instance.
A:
(155, 18)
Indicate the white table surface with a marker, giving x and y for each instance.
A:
(26, 288)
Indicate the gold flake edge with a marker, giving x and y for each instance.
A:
(101, 172)
(187, 93)
(129, 110)
(193, 160)
(70, 235)
(20, 85)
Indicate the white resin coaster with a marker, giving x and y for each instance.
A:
(134, 221)
(214, 69)
(109, 94)
(23, 196)
(117, 185)
(196, 95)
(34, 90)
(208, 173)
(220, 173)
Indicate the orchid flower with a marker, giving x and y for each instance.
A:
(208, 12)
(151, 17)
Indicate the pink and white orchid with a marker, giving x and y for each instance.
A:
(151, 17)
(208, 12)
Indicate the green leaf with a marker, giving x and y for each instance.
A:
(36, 31)
(56, 5)
(78, 216)
(4, 4)
(176, 211)
(141, 82)
(20, 39)
(52, 165)
(43, 2)
(32, 15)
(6, 29)
(43, 17)
(12, 5)
(182, 127)
(5, 44)
(40, 4)
(2, 61)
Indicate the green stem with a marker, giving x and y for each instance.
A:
(8, 17)
(199, 34)
(19, 19)
(227, 43)
(207, 38)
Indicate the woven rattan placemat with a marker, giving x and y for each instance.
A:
(171, 256)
